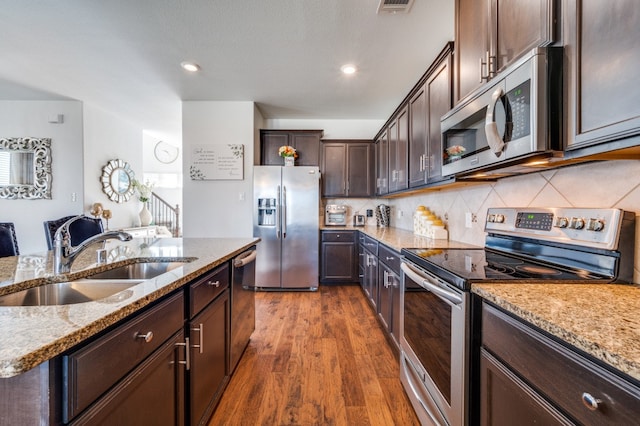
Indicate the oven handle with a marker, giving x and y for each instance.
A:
(424, 282)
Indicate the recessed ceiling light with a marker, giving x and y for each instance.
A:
(348, 69)
(190, 66)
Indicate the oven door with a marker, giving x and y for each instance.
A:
(435, 346)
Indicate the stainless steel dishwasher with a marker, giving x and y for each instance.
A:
(243, 316)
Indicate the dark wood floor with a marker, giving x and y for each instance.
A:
(316, 359)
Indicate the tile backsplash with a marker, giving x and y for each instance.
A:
(608, 184)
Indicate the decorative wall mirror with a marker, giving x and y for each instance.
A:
(117, 180)
(25, 168)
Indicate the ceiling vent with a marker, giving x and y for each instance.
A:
(394, 6)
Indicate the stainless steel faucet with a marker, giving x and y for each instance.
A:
(64, 253)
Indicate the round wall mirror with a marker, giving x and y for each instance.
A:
(117, 180)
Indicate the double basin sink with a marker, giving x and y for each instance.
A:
(102, 285)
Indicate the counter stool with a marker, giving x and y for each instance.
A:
(80, 230)
(8, 240)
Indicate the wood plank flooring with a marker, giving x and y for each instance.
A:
(316, 358)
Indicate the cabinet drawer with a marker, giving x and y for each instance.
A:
(207, 288)
(339, 236)
(389, 257)
(371, 245)
(90, 371)
(558, 373)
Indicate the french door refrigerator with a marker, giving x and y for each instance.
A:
(286, 219)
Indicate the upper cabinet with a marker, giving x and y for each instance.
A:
(428, 103)
(490, 34)
(306, 143)
(399, 151)
(347, 168)
(382, 163)
(602, 59)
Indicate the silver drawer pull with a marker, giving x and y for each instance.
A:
(147, 337)
(590, 401)
(390, 258)
(215, 284)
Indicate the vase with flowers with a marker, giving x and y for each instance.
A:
(454, 153)
(144, 191)
(289, 154)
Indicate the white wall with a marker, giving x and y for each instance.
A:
(30, 118)
(81, 145)
(108, 137)
(333, 129)
(214, 208)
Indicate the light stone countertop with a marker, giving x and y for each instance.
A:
(30, 335)
(602, 320)
(398, 239)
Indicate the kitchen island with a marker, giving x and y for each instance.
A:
(39, 344)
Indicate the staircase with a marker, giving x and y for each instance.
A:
(164, 214)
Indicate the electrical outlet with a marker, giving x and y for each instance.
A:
(400, 213)
(468, 219)
(74, 197)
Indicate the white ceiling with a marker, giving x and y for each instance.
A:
(285, 55)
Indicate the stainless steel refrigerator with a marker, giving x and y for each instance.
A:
(286, 218)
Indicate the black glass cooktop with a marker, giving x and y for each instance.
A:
(472, 265)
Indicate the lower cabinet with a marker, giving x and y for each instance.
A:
(527, 377)
(152, 394)
(369, 280)
(389, 291)
(338, 260)
(157, 367)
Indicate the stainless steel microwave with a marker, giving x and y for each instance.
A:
(515, 117)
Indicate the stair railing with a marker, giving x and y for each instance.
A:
(164, 214)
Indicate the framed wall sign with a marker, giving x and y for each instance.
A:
(217, 162)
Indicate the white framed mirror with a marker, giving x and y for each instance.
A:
(25, 168)
(117, 180)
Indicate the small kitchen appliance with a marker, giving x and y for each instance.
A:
(529, 245)
(358, 220)
(336, 215)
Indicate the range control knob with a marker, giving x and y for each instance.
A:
(491, 218)
(596, 225)
(499, 218)
(577, 223)
(562, 222)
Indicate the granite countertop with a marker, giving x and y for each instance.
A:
(398, 239)
(30, 335)
(599, 319)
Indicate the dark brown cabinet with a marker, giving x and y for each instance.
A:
(382, 163)
(602, 59)
(152, 394)
(93, 369)
(399, 151)
(347, 168)
(529, 377)
(209, 334)
(431, 100)
(338, 260)
(209, 369)
(389, 291)
(369, 261)
(306, 143)
(490, 34)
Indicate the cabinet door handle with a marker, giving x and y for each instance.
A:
(200, 345)
(389, 257)
(590, 401)
(215, 284)
(187, 357)
(146, 337)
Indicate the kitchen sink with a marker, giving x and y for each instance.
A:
(138, 271)
(70, 292)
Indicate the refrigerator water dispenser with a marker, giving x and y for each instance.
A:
(266, 211)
